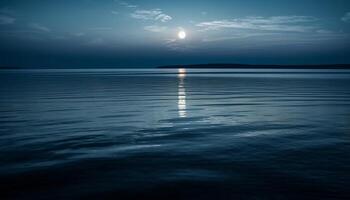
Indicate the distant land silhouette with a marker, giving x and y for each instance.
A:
(215, 66)
(256, 66)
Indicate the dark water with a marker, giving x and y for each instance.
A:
(152, 134)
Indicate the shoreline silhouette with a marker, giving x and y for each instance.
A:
(256, 66)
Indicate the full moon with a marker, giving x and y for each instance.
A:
(182, 35)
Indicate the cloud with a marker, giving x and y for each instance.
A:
(143, 14)
(279, 29)
(238, 36)
(6, 20)
(277, 23)
(154, 14)
(346, 17)
(114, 12)
(39, 27)
(163, 17)
(125, 4)
(173, 45)
(79, 34)
(155, 28)
(176, 45)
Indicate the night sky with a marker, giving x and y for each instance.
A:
(144, 33)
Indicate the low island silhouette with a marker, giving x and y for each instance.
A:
(256, 66)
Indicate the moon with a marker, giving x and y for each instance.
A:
(181, 35)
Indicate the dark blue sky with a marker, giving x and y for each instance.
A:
(135, 33)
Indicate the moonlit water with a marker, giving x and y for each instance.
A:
(175, 134)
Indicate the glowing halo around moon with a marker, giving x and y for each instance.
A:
(181, 35)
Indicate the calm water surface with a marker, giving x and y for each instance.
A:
(169, 134)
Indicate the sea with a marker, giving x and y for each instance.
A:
(175, 134)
